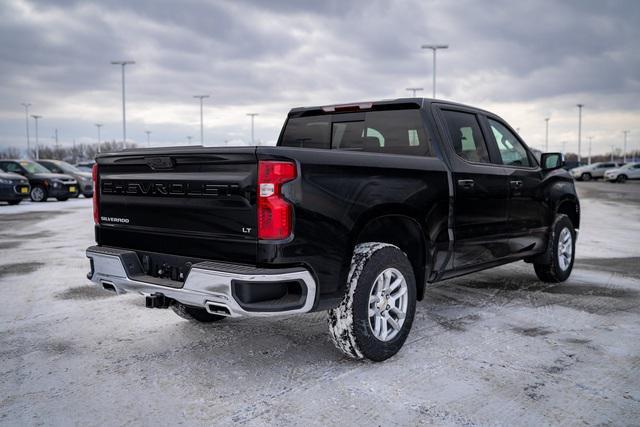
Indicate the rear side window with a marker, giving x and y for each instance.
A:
(307, 132)
(466, 136)
(394, 132)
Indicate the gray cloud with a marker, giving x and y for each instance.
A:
(526, 60)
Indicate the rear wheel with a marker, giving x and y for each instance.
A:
(195, 314)
(586, 176)
(621, 179)
(38, 194)
(560, 252)
(375, 316)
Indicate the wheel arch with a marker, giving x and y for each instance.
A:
(398, 227)
(571, 207)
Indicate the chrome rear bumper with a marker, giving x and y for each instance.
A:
(208, 284)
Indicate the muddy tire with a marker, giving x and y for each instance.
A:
(586, 176)
(374, 318)
(621, 179)
(560, 254)
(195, 314)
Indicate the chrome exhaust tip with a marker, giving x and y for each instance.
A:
(217, 308)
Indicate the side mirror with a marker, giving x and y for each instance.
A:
(551, 161)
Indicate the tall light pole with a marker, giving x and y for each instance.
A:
(612, 153)
(26, 106)
(124, 110)
(148, 132)
(564, 147)
(624, 153)
(98, 125)
(36, 118)
(546, 135)
(579, 131)
(201, 97)
(414, 90)
(252, 115)
(590, 138)
(434, 48)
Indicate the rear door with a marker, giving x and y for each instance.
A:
(480, 190)
(198, 202)
(527, 208)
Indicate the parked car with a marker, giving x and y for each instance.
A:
(623, 173)
(85, 166)
(592, 171)
(356, 211)
(85, 183)
(13, 187)
(571, 164)
(44, 184)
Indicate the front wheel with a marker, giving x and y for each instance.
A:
(375, 316)
(586, 176)
(38, 194)
(560, 254)
(621, 179)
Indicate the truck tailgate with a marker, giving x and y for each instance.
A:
(197, 202)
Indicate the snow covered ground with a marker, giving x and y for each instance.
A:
(497, 347)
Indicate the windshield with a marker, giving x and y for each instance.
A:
(33, 167)
(67, 167)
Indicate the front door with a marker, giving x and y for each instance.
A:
(480, 192)
(527, 208)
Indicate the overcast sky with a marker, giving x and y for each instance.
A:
(522, 60)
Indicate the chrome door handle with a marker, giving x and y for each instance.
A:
(467, 184)
(516, 184)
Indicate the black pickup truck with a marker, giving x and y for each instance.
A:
(357, 209)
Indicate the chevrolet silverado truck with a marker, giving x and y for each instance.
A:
(357, 210)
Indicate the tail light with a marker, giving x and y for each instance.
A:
(274, 211)
(96, 190)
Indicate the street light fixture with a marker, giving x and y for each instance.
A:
(252, 115)
(201, 97)
(546, 138)
(579, 131)
(434, 48)
(124, 114)
(36, 118)
(414, 90)
(26, 106)
(98, 125)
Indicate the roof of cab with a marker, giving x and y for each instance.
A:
(380, 104)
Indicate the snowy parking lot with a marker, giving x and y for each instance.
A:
(497, 347)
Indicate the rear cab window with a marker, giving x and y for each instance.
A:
(387, 131)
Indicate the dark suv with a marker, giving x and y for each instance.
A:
(44, 184)
(85, 184)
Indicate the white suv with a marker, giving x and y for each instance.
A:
(623, 173)
(593, 171)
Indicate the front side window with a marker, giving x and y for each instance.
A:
(511, 150)
(466, 136)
